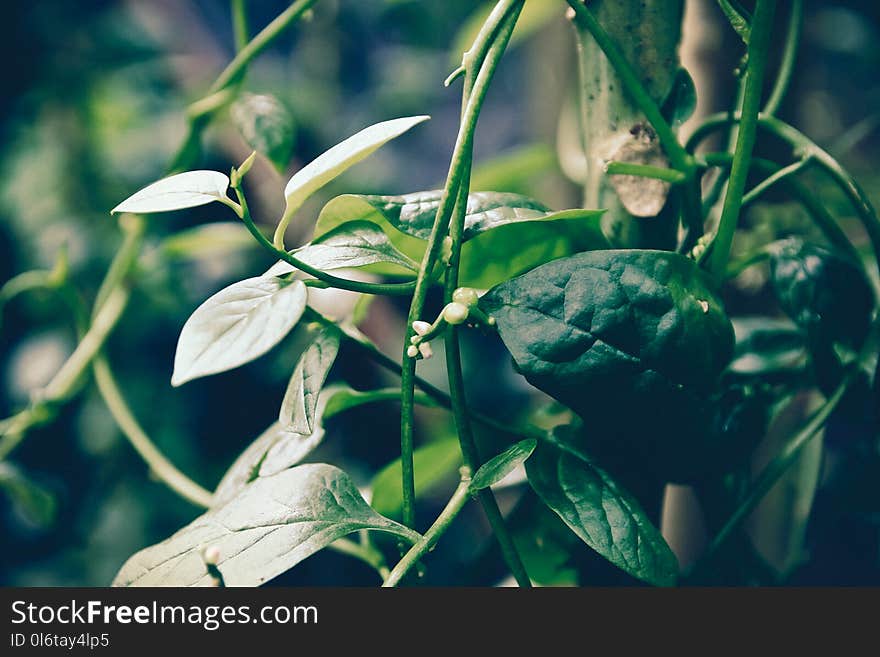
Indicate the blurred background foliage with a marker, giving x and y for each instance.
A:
(94, 108)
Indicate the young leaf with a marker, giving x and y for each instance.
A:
(341, 399)
(627, 339)
(434, 463)
(505, 234)
(266, 125)
(497, 468)
(333, 162)
(183, 190)
(237, 325)
(604, 515)
(269, 527)
(355, 244)
(300, 402)
(738, 18)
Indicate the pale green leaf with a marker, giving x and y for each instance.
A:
(183, 190)
(238, 324)
(497, 468)
(300, 402)
(273, 524)
(266, 125)
(212, 240)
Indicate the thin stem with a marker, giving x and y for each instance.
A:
(789, 56)
(164, 470)
(240, 24)
(759, 45)
(774, 178)
(673, 176)
(460, 160)
(398, 289)
(429, 539)
(680, 158)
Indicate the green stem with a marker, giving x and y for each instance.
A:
(399, 289)
(774, 178)
(159, 465)
(240, 24)
(759, 45)
(459, 162)
(645, 171)
(789, 56)
(429, 539)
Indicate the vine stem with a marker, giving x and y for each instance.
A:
(789, 57)
(457, 394)
(759, 46)
(241, 209)
(459, 162)
(429, 538)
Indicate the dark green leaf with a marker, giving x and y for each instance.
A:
(630, 340)
(34, 502)
(238, 324)
(270, 526)
(601, 513)
(505, 234)
(681, 102)
(266, 125)
(300, 402)
(767, 347)
(497, 468)
(434, 463)
(825, 293)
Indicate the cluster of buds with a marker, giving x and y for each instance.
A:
(463, 307)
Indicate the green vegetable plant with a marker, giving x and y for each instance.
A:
(616, 313)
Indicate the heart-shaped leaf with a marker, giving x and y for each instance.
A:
(270, 526)
(333, 162)
(497, 468)
(604, 515)
(183, 190)
(505, 234)
(301, 397)
(237, 325)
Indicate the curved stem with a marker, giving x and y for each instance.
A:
(774, 178)
(164, 470)
(460, 160)
(759, 45)
(399, 289)
(240, 24)
(645, 171)
(366, 553)
(430, 537)
(789, 56)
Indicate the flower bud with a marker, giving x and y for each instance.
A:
(425, 349)
(455, 313)
(412, 351)
(466, 296)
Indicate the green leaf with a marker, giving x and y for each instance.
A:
(681, 102)
(514, 170)
(505, 234)
(213, 240)
(333, 162)
(434, 463)
(604, 515)
(300, 402)
(738, 18)
(498, 467)
(35, 503)
(627, 339)
(270, 526)
(343, 399)
(266, 125)
(184, 190)
(354, 244)
(238, 324)
(767, 348)
(823, 292)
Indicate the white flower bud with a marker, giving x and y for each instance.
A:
(412, 351)
(425, 350)
(211, 555)
(455, 313)
(421, 327)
